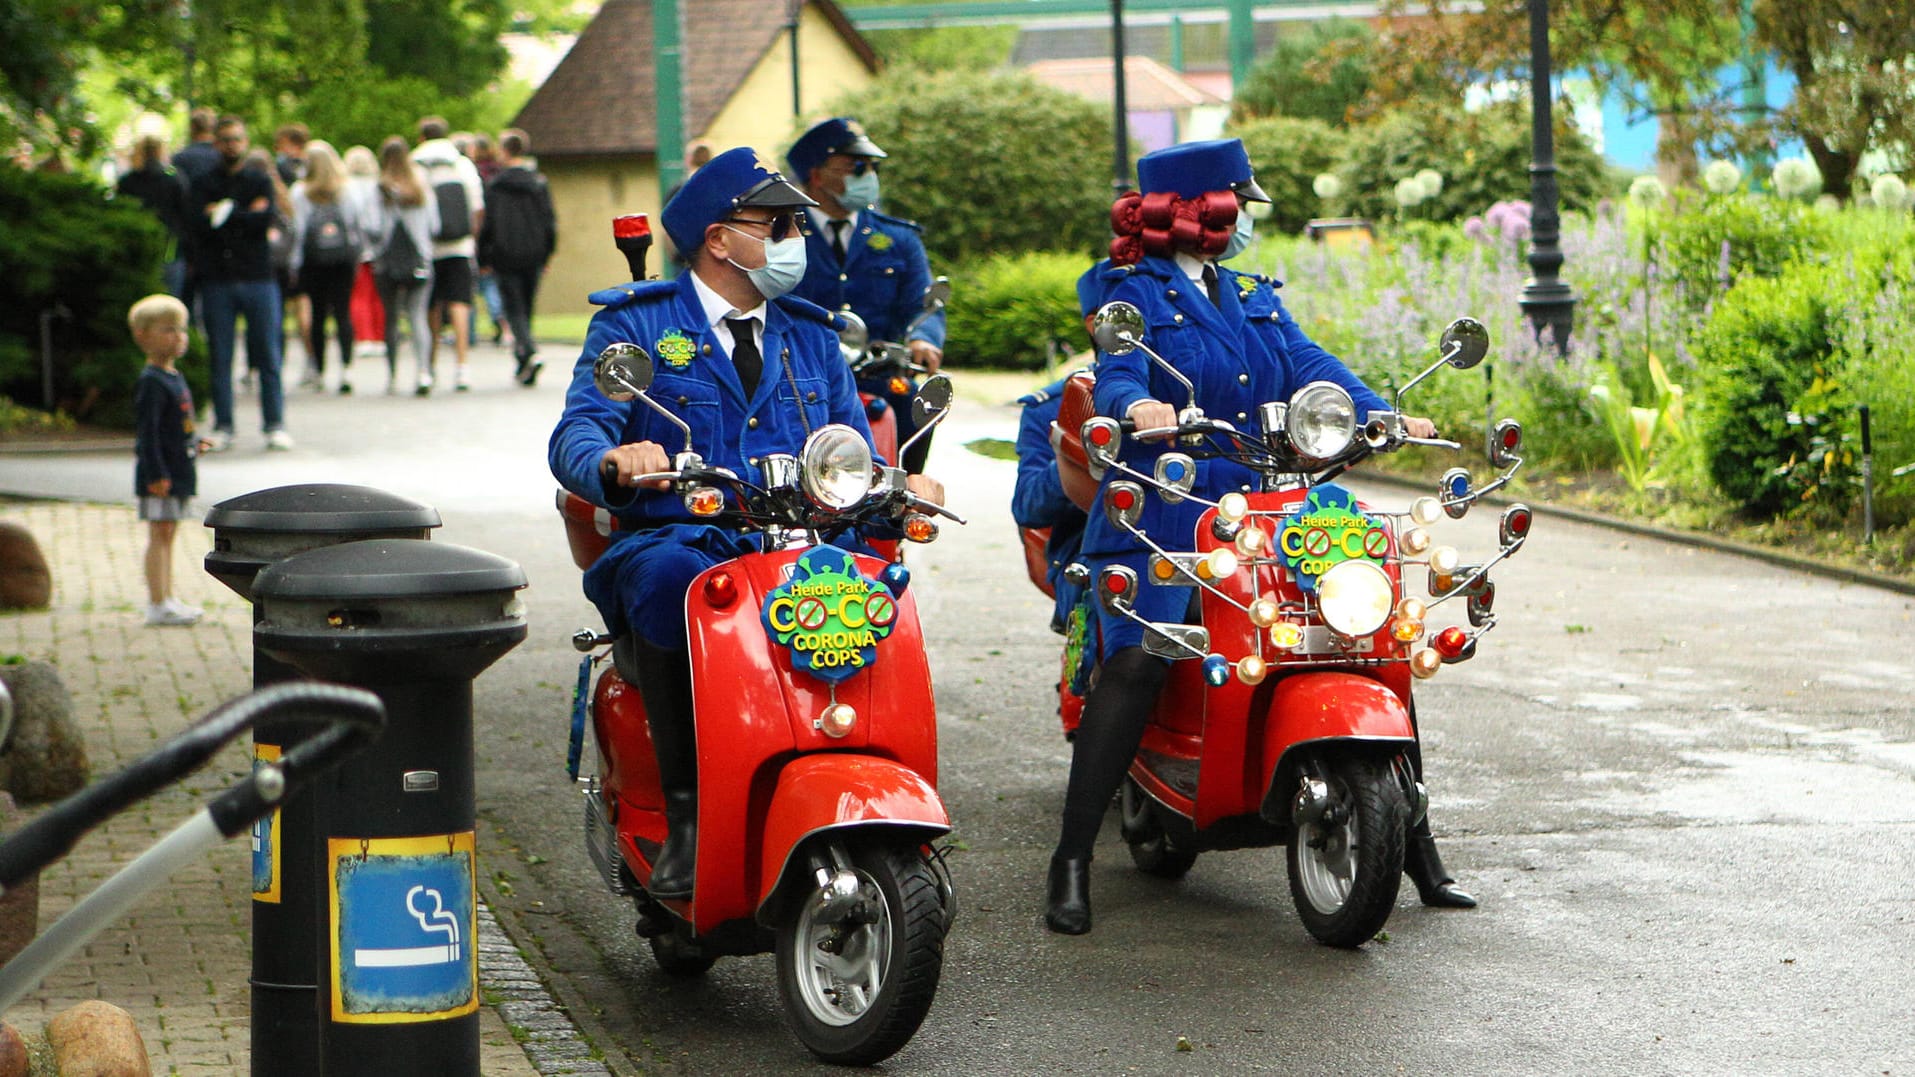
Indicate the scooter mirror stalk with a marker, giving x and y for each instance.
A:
(1117, 328)
(622, 371)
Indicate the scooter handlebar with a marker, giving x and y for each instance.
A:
(357, 718)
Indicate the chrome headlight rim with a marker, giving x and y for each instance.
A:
(1320, 423)
(834, 468)
(1355, 598)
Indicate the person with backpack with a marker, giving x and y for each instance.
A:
(329, 233)
(517, 239)
(459, 198)
(402, 266)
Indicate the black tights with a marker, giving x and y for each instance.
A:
(1114, 716)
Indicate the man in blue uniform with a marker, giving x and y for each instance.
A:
(752, 371)
(1038, 499)
(861, 260)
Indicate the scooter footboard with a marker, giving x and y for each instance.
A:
(1311, 709)
(834, 790)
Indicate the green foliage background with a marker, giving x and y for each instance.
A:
(1289, 154)
(1008, 308)
(989, 163)
(69, 246)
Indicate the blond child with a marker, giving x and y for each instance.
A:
(164, 476)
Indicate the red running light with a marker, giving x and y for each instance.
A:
(1519, 522)
(1122, 500)
(721, 590)
(1451, 642)
(1114, 583)
(1100, 435)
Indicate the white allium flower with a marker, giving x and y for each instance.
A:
(1647, 191)
(1408, 192)
(1327, 185)
(1431, 181)
(1796, 177)
(1722, 176)
(1889, 192)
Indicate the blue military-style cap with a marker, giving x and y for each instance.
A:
(731, 181)
(839, 134)
(1195, 168)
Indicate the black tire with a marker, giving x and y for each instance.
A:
(898, 958)
(1150, 847)
(1344, 875)
(679, 955)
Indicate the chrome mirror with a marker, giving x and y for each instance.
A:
(938, 294)
(932, 398)
(1117, 328)
(853, 336)
(622, 371)
(1464, 343)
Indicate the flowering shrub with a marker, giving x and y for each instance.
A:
(1721, 177)
(1889, 193)
(1796, 177)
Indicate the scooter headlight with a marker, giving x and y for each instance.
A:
(1321, 421)
(835, 468)
(1355, 598)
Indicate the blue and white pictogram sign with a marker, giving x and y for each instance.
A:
(403, 917)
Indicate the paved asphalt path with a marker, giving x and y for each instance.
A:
(1682, 782)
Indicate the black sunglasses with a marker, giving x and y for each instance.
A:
(861, 165)
(780, 225)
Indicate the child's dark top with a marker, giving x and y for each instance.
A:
(163, 433)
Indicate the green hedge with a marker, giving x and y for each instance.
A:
(989, 163)
(1288, 155)
(1006, 309)
(68, 245)
(1764, 236)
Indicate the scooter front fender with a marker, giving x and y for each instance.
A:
(838, 790)
(1319, 707)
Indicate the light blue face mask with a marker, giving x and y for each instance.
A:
(1246, 230)
(784, 265)
(860, 191)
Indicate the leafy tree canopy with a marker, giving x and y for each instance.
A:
(1319, 74)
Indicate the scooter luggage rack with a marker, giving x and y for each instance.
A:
(358, 718)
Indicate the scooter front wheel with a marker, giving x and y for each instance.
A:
(1346, 857)
(858, 970)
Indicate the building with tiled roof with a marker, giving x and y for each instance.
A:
(594, 127)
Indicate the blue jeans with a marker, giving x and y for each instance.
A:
(222, 303)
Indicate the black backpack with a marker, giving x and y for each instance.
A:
(455, 212)
(329, 241)
(401, 261)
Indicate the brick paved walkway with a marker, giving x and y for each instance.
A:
(180, 963)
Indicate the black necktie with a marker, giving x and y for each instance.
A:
(744, 352)
(837, 237)
(1210, 282)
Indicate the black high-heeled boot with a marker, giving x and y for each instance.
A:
(1067, 909)
(664, 684)
(1424, 865)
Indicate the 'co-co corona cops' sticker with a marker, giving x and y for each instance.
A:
(830, 615)
(1325, 530)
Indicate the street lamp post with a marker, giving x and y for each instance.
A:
(1546, 299)
(1120, 155)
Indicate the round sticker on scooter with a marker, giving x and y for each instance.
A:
(830, 615)
(1325, 530)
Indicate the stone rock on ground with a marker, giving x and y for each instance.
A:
(25, 583)
(45, 757)
(97, 1039)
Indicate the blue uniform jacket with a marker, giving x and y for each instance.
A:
(882, 278)
(1240, 353)
(805, 385)
(1038, 499)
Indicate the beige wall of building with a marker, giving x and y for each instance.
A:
(587, 193)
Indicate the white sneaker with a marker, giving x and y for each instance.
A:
(219, 441)
(182, 609)
(163, 614)
(459, 381)
(279, 440)
(425, 386)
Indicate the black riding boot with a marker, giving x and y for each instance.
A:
(1424, 866)
(1115, 713)
(665, 684)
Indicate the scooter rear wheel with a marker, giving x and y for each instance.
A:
(1143, 830)
(857, 985)
(1346, 868)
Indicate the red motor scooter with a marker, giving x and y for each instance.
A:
(1295, 723)
(816, 733)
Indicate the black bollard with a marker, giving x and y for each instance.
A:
(414, 622)
(250, 532)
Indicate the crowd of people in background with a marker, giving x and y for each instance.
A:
(357, 246)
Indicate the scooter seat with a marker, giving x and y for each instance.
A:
(588, 528)
(625, 656)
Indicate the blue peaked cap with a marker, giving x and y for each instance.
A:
(1195, 168)
(839, 134)
(729, 182)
